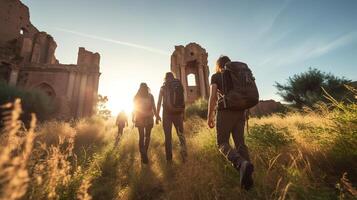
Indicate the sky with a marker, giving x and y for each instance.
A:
(135, 38)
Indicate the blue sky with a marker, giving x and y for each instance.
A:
(136, 38)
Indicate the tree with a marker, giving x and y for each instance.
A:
(102, 109)
(305, 89)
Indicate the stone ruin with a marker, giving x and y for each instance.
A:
(191, 60)
(27, 60)
(189, 65)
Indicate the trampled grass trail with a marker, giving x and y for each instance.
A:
(123, 176)
(284, 168)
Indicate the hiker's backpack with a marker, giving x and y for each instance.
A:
(174, 99)
(240, 91)
(144, 107)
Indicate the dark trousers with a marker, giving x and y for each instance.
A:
(232, 123)
(177, 121)
(120, 133)
(144, 140)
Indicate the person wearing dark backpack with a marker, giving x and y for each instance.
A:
(143, 118)
(232, 92)
(173, 101)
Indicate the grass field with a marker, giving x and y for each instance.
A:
(296, 156)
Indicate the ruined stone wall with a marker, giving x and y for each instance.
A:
(14, 21)
(191, 59)
(29, 61)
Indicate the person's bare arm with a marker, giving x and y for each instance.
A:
(154, 106)
(159, 102)
(211, 105)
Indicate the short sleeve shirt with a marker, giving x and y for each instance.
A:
(217, 79)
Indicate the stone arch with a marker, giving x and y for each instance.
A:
(191, 79)
(191, 61)
(47, 89)
(23, 31)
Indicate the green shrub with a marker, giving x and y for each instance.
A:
(33, 101)
(267, 135)
(343, 151)
(198, 108)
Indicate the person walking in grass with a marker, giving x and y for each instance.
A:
(172, 99)
(121, 122)
(232, 92)
(143, 118)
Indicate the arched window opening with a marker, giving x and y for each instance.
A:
(191, 80)
(47, 89)
(23, 31)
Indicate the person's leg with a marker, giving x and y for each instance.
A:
(246, 167)
(178, 123)
(167, 125)
(238, 138)
(141, 141)
(225, 123)
(118, 136)
(147, 141)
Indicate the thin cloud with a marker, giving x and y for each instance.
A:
(311, 48)
(334, 44)
(138, 46)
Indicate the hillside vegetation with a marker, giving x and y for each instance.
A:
(306, 155)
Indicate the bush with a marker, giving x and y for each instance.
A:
(343, 151)
(267, 135)
(198, 108)
(32, 101)
(305, 89)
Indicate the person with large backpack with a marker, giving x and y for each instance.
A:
(173, 102)
(232, 92)
(143, 118)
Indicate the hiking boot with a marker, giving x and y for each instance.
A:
(184, 157)
(245, 172)
(145, 159)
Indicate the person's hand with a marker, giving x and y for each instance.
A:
(158, 119)
(210, 122)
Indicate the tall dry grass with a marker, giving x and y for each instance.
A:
(44, 164)
(297, 156)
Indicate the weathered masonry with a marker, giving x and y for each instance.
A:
(189, 64)
(27, 60)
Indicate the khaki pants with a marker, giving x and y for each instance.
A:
(232, 123)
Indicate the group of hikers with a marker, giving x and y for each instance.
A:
(232, 92)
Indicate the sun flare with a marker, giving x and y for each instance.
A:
(121, 99)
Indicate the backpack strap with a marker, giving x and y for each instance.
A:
(247, 116)
(223, 91)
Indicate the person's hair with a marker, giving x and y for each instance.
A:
(143, 91)
(221, 62)
(169, 76)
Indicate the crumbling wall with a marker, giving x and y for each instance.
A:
(14, 21)
(187, 60)
(87, 58)
(27, 60)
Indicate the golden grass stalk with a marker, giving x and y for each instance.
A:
(15, 151)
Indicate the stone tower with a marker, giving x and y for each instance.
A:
(189, 64)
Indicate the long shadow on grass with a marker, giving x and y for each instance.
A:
(145, 185)
(115, 168)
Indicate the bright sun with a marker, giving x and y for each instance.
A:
(121, 95)
(121, 99)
